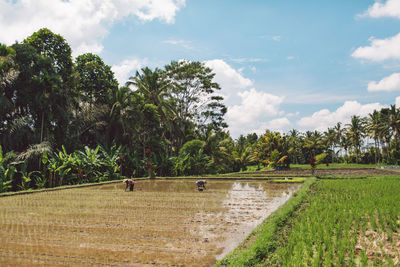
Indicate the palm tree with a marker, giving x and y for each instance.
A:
(294, 145)
(153, 86)
(373, 127)
(355, 132)
(394, 122)
(244, 158)
(385, 133)
(330, 140)
(119, 118)
(313, 142)
(338, 136)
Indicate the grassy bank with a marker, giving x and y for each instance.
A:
(333, 166)
(263, 239)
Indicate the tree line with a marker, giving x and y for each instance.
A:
(59, 115)
(68, 121)
(368, 140)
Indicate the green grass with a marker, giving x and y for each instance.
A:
(333, 166)
(343, 223)
(254, 168)
(290, 180)
(359, 176)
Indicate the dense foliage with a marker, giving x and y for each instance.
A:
(163, 122)
(65, 121)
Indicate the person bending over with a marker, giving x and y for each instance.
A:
(129, 183)
(201, 184)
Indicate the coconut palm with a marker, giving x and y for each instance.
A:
(338, 136)
(330, 141)
(313, 142)
(153, 86)
(294, 145)
(356, 132)
(374, 129)
(394, 122)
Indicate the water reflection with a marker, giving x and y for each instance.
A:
(248, 204)
(206, 225)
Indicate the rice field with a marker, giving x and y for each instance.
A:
(162, 222)
(344, 223)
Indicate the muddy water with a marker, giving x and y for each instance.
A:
(161, 223)
(226, 212)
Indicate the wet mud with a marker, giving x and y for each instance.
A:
(162, 222)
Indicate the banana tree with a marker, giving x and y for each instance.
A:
(112, 162)
(7, 171)
(26, 177)
(89, 162)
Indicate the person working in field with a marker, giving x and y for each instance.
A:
(129, 183)
(201, 184)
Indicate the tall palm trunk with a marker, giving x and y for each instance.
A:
(376, 150)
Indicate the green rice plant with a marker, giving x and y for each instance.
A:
(339, 213)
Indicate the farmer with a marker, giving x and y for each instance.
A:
(130, 183)
(201, 184)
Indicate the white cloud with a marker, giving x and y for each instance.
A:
(277, 124)
(389, 9)
(227, 77)
(183, 43)
(390, 83)
(290, 57)
(324, 118)
(293, 114)
(380, 49)
(245, 60)
(321, 98)
(276, 38)
(84, 23)
(254, 107)
(397, 102)
(127, 68)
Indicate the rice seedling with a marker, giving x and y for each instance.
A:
(346, 222)
(161, 222)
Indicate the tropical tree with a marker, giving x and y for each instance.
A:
(7, 170)
(191, 159)
(96, 82)
(313, 142)
(338, 136)
(330, 141)
(374, 129)
(294, 146)
(8, 74)
(195, 94)
(355, 133)
(50, 83)
(244, 158)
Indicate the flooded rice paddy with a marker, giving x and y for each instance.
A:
(162, 222)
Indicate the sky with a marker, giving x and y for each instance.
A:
(281, 64)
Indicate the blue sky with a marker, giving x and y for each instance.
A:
(281, 64)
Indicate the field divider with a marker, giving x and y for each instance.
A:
(253, 250)
(64, 187)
